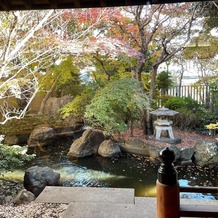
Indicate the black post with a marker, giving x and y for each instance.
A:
(167, 186)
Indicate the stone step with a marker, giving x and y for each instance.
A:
(89, 202)
(108, 210)
(59, 194)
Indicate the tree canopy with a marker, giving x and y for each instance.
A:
(117, 105)
(82, 52)
(25, 49)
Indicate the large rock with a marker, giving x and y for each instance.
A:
(40, 136)
(154, 152)
(186, 154)
(16, 139)
(135, 146)
(108, 148)
(87, 144)
(53, 104)
(36, 178)
(23, 197)
(206, 153)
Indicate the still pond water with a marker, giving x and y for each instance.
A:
(128, 171)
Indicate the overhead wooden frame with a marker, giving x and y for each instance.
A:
(10, 5)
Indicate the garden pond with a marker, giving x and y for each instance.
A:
(127, 171)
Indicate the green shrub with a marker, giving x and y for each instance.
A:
(192, 104)
(175, 103)
(77, 106)
(161, 100)
(164, 81)
(191, 114)
(117, 106)
(12, 157)
(189, 120)
(188, 103)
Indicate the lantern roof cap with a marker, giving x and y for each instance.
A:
(163, 111)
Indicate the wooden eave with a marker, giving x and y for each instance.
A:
(10, 5)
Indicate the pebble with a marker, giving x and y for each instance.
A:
(33, 210)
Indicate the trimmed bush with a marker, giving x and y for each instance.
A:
(191, 114)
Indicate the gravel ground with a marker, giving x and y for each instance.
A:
(33, 210)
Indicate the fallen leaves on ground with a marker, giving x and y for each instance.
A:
(188, 138)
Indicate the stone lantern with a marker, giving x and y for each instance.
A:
(163, 123)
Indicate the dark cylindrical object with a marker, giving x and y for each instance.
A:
(167, 186)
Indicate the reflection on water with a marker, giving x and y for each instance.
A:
(188, 195)
(130, 173)
(125, 172)
(81, 176)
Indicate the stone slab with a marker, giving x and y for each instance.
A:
(59, 194)
(174, 141)
(146, 200)
(107, 210)
(199, 202)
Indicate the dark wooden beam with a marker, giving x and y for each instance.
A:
(198, 210)
(198, 189)
(103, 3)
(128, 2)
(54, 4)
(7, 5)
(28, 4)
(77, 3)
(4, 5)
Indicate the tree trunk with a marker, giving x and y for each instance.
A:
(153, 81)
(47, 96)
(138, 74)
(148, 121)
(180, 80)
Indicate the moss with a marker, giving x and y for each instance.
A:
(28, 123)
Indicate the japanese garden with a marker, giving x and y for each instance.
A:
(89, 97)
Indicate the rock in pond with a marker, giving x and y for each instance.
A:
(36, 178)
(135, 146)
(206, 153)
(108, 148)
(87, 144)
(40, 136)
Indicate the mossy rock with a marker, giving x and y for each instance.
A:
(28, 123)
